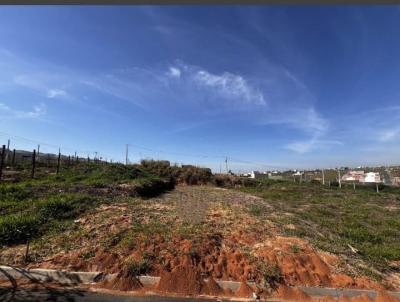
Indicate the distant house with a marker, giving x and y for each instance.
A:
(257, 175)
(396, 181)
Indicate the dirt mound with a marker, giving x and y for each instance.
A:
(301, 264)
(291, 294)
(228, 292)
(183, 279)
(123, 282)
(383, 296)
(212, 288)
(244, 291)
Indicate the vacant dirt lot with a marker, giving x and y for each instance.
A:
(218, 233)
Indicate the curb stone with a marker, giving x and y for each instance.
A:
(75, 278)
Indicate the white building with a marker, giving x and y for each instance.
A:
(254, 174)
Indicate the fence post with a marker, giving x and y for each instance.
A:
(58, 161)
(69, 160)
(3, 151)
(377, 188)
(33, 163)
(354, 186)
(13, 158)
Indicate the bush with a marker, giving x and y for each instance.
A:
(229, 181)
(272, 274)
(18, 228)
(150, 187)
(134, 268)
(63, 207)
(187, 174)
(55, 209)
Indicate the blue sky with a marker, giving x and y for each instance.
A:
(266, 86)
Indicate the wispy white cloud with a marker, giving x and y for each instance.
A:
(174, 72)
(311, 145)
(388, 135)
(177, 83)
(54, 93)
(40, 83)
(230, 85)
(8, 112)
(308, 121)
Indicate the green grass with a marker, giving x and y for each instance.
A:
(331, 218)
(30, 207)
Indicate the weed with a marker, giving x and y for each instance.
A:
(135, 268)
(87, 255)
(256, 210)
(295, 248)
(272, 274)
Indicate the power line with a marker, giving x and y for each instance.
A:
(36, 142)
(176, 153)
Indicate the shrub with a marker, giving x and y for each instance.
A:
(63, 207)
(134, 268)
(150, 187)
(187, 174)
(18, 228)
(55, 209)
(272, 274)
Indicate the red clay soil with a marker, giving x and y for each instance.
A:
(361, 298)
(327, 299)
(244, 291)
(228, 292)
(122, 282)
(344, 298)
(219, 257)
(291, 294)
(212, 288)
(383, 296)
(184, 279)
(307, 267)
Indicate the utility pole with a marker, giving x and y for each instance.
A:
(340, 183)
(323, 177)
(126, 154)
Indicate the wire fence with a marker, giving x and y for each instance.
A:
(49, 159)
